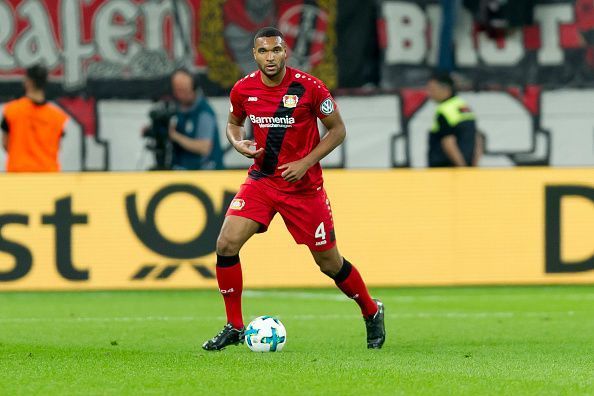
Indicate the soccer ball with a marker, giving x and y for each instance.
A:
(265, 334)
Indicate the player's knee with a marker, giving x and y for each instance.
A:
(227, 246)
(329, 267)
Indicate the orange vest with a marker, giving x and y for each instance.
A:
(34, 135)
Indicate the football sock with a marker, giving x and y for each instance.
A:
(230, 282)
(350, 282)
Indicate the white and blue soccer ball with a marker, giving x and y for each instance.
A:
(265, 334)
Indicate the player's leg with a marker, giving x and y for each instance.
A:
(349, 281)
(308, 218)
(235, 232)
(346, 277)
(250, 212)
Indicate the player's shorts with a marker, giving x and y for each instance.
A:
(308, 216)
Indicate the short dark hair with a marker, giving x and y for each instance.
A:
(38, 75)
(443, 78)
(268, 31)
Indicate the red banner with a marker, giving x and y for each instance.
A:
(88, 44)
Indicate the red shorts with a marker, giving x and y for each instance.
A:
(308, 217)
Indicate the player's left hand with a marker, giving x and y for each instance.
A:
(294, 171)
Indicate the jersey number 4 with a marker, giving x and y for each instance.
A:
(320, 231)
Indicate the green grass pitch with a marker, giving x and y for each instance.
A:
(450, 341)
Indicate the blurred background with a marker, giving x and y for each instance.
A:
(526, 67)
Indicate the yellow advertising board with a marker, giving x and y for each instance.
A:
(399, 227)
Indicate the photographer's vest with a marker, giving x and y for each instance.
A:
(460, 122)
(187, 124)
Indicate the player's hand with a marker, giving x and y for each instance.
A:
(294, 171)
(248, 148)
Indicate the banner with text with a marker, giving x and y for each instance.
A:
(556, 50)
(435, 227)
(127, 48)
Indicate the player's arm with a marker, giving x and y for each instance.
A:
(449, 143)
(236, 136)
(336, 132)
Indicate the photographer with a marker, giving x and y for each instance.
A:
(192, 129)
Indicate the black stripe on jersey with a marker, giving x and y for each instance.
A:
(276, 135)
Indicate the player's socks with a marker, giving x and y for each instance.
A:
(230, 282)
(350, 282)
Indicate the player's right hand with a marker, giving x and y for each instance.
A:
(248, 148)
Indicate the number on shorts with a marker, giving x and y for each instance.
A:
(320, 231)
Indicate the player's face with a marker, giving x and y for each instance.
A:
(270, 54)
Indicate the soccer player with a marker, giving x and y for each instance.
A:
(283, 105)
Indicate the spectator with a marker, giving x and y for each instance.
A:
(32, 127)
(194, 132)
(453, 139)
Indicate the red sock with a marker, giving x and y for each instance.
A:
(350, 282)
(230, 282)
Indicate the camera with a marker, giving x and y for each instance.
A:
(161, 114)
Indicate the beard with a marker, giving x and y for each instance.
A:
(271, 75)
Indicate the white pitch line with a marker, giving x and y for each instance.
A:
(428, 297)
(295, 295)
(412, 315)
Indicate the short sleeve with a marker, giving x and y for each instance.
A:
(323, 102)
(236, 103)
(444, 129)
(4, 122)
(207, 126)
(4, 125)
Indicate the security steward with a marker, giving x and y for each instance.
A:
(453, 139)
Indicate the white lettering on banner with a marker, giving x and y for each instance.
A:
(38, 43)
(405, 26)
(466, 55)
(374, 126)
(75, 52)
(568, 115)
(434, 15)
(108, 34)
(505, 122)
(549, 17)
(509, 54)
(155, 14)
(6, 32)
(115, 43)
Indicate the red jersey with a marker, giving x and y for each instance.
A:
(284, 120)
